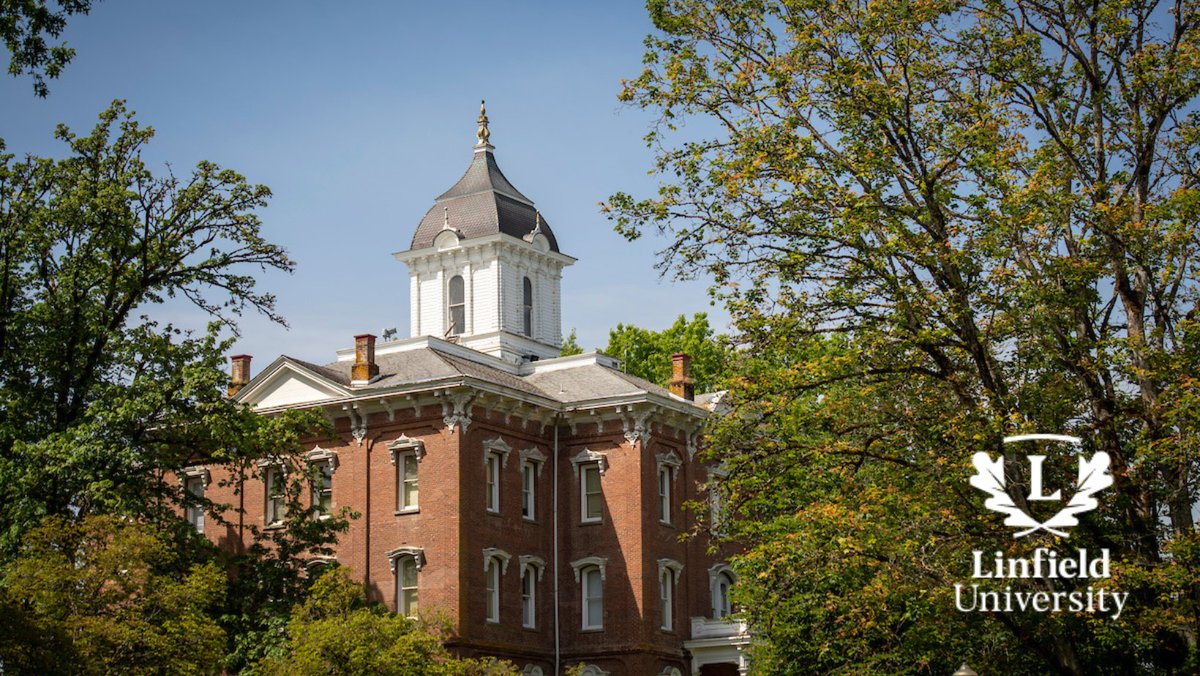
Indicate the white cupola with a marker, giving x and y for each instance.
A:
(484, 267)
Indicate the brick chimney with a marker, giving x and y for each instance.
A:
(681, 377)
(239, 372)
(365, 367)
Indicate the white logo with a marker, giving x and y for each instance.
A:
(989, 478)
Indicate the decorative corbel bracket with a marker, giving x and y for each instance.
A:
(456, 410)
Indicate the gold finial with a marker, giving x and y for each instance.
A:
(537, 224)
(482, 133)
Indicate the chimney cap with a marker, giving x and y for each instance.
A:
(364, 335)
(240, 356)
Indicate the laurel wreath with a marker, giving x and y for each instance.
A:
(989, 478)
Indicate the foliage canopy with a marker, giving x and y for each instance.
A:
(937, 224)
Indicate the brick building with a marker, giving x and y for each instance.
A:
(535, 501)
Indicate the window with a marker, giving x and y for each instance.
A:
(406, 586)
(527, 306)
(492, 573)
(193, 485)
(529, 490)
(668, 576)
(593, 598)
(493, 482)
(591, 506)
(407, 491)
(323, 487)
(666, 584)
(529, 598)
(458, 306)
(275, 495)
(664, 494)
(720, 594)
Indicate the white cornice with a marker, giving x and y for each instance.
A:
(500, 238)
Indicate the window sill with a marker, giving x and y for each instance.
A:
(668, 524)
(277, 525)
(593, 522)
(529, 519)
(407, 510)
(592, 630)
(492, 622)
(493, 512)
(528, 628)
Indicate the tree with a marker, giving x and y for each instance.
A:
(100, 405)
(647, 354)
(571, 346)
(336, 631)
(108, 596)
(937, 224)
(99, 400)
(26, 25)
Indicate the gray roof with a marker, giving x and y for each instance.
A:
(588, 381)
(592, 381)
(482, 203)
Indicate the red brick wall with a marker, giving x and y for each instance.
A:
(453, 527)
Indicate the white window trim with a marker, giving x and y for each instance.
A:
(537, 470)
(499, 447)
(493, 556)
(194, 472)
(462, 330)
(676, 569)
(417, 555)
(714, 576)
(493, 571)
(583, 494)
(666, 512)
(495, 447)
(667, 599)
(716, 502)
(600, 562)
(587, 456)
(404, 444)
(583, 596)
(205, 477)
(266, 467)
(529, 622)
(316, 457)
(318, 454)
(537, 563)
(534, 456)
(318, 565)
(490, 553)
(398, 458)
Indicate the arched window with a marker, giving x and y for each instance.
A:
(457, 295)
(527, 306)
(495, 563)
(720, 593)
(593, 597)
(666, 583)
(406, 585)
(529, 598)
(492, 573)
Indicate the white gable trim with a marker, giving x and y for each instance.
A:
(285, 384)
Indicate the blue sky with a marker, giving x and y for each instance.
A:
(357, 115)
